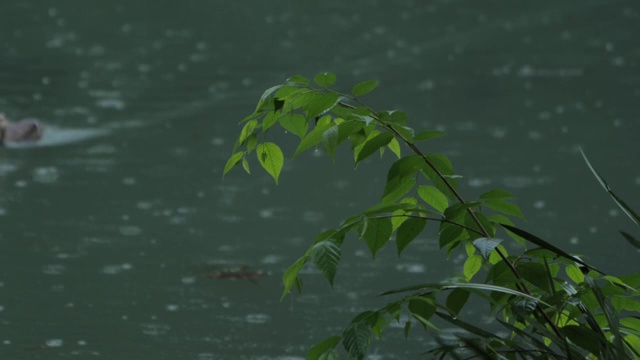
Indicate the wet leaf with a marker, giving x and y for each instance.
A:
(295, 123)
(434, 197)
(472, 265)
(504, 207)
(356, 339)
(428, 134)
(486, 245)
(290, 276)
(377, 232)
(364, 87)
(408, 231)
(496, 194)
(325, 79)
(233, 161)
(324, 349)
(373, 144)
(321, 104)
(271, 158)
(330, 140)
(315, 136)
(326, 256)
(456, 300)
(394, 146)
(298, 79)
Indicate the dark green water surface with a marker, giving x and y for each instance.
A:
(109, 228)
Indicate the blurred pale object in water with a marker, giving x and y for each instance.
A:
(26, 130)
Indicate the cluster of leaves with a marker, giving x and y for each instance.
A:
(550, 303)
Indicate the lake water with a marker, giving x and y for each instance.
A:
(109, 228)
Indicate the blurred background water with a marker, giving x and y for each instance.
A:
(108, 229)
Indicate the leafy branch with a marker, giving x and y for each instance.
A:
(551, 314)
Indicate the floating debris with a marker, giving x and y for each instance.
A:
(235, 273)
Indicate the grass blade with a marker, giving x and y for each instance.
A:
(627, 210)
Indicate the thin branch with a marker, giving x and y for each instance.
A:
(443, 220)
(520, 284)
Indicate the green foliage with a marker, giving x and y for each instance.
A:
(364, 87)
(326, 256)
(271, 158)
(553, 304)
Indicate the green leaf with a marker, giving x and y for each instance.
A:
(394, 146)
(321, 350)
(325, 79)
(298, 79)
(472, 265)
(408, 231)
(396, 188)
(500, 274)
(266, 95)
(428, 134)
(326, 256)
(536, 240)
(400, 216)
(290, 276)
(245, 165)
(364, 87)
(631, 323)
(633, 344)
(445, 169)
(379, 326)
(487, 225)
(469, 286)
(372, 145)
(536, 274)
(233, 161)
(387, 208)
(625, 303)
(407, 328)
(394, 117)
(574, 273)
(252, 142)
(348, 128)
(270, 119)
(406, 166)
(405, 131)
(450, 235)
(525, 306)
(356, 339)
(486, 245)
(434, 197)
(422, 308)
(287, 93)
(321, 104)
(584, 337)
(495, 257)
(458, 211)
(616, 281)
(456, 300)
(504, 207)
(247, 130)
(633, 241)
(315, 136)
(330, 140)
(295, 123)
(302, 99)
(271, 158)
(376, 233)
(496, 194)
